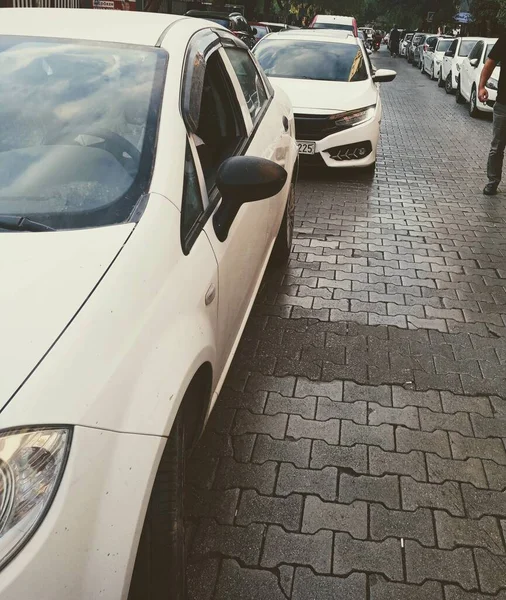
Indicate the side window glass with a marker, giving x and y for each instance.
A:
(192, 206)
(453, 47)
(476, 51)
(249, 79)
(221, 126)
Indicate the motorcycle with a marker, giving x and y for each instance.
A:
(376, 45)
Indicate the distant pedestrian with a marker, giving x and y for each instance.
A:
(394, 40)
(496, 154)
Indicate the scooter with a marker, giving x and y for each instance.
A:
(376, 46)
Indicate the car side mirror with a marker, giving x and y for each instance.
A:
(242, 179)
(473, 62)
(384, 76)
(450, 54)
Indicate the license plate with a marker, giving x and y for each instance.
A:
(306, 147)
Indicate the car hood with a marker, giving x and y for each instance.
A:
(46, 278)
(317, 97)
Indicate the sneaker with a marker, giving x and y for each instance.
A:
(490, 189)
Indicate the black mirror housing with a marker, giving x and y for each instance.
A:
(242, 179)
(449, 53)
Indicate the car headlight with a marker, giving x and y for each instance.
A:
(350, 118)
(31, 465)
(492, 84)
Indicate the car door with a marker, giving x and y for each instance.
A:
(429, 54)
(448, 58)
(467, 71)
(220, 125)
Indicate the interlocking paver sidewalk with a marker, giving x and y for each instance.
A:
(358, 446)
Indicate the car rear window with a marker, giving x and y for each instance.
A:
(307, 59)
(342, 26)
(466, 47)
(77, 124)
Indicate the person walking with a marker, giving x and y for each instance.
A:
(496, 154)
(394, 40)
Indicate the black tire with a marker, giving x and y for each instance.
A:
(459, 98)
(473, 108)
(449, 84)
(431, 74)
(283, 243)
(160, 565)
(422, 67)
(440, 82)
(370, 170)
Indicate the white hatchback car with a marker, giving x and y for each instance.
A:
(334, 91)
(469, 78)
(147, 175)
(452, 61)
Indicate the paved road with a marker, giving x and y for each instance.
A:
(358, 448)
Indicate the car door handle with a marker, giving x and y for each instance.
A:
(210, 294)
(285, 123)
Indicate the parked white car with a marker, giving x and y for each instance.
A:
(403, 46)
(452, 61)
(426, 52)
(334, 91)
(469, 78)
(147, 176)
(434, 58)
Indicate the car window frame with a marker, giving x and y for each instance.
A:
(202, 46)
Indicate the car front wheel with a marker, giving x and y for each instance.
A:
(283, 243)
(160, 565)
(422, 67)
(473, 108)
(440, 80)
(459, 98)
(448, 84)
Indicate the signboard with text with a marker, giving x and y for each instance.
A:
(114, 4)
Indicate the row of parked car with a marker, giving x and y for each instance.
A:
(455, 63)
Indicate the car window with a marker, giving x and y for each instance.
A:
(261, 31)
(453, 46)
(322, 61)
(342, 26)
(466, 46)
(251, 83)
(220, 127)
(71, 157)
(487, 52)
(192, 206)
(443, 45)
(476, 51)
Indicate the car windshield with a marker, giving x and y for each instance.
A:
(318, 25)
(443, 45)
(466, 46)
(77, 127)
(223, 21)
(261, 31)
(323, 61)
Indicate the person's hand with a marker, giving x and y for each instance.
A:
(482, 95)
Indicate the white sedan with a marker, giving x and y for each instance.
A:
(334, 91)
(469, 78)
(434, 58)
(147, 176)
(452, 61)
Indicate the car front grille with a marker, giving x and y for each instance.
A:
(315, 127)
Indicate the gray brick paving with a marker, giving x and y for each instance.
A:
(357, 448)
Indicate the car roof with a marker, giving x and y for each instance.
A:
(334, 19)
(119, 26)
(325, 35)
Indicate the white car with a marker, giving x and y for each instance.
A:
(434, 57)
(403, 46)
(452, 61)
(334, 91)
(338, 22)
(147, 175)
(469, 78)
(426, 51)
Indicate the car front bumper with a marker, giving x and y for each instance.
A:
(85, 547)
(354, 147)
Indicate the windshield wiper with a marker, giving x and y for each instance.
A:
(17, 223)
